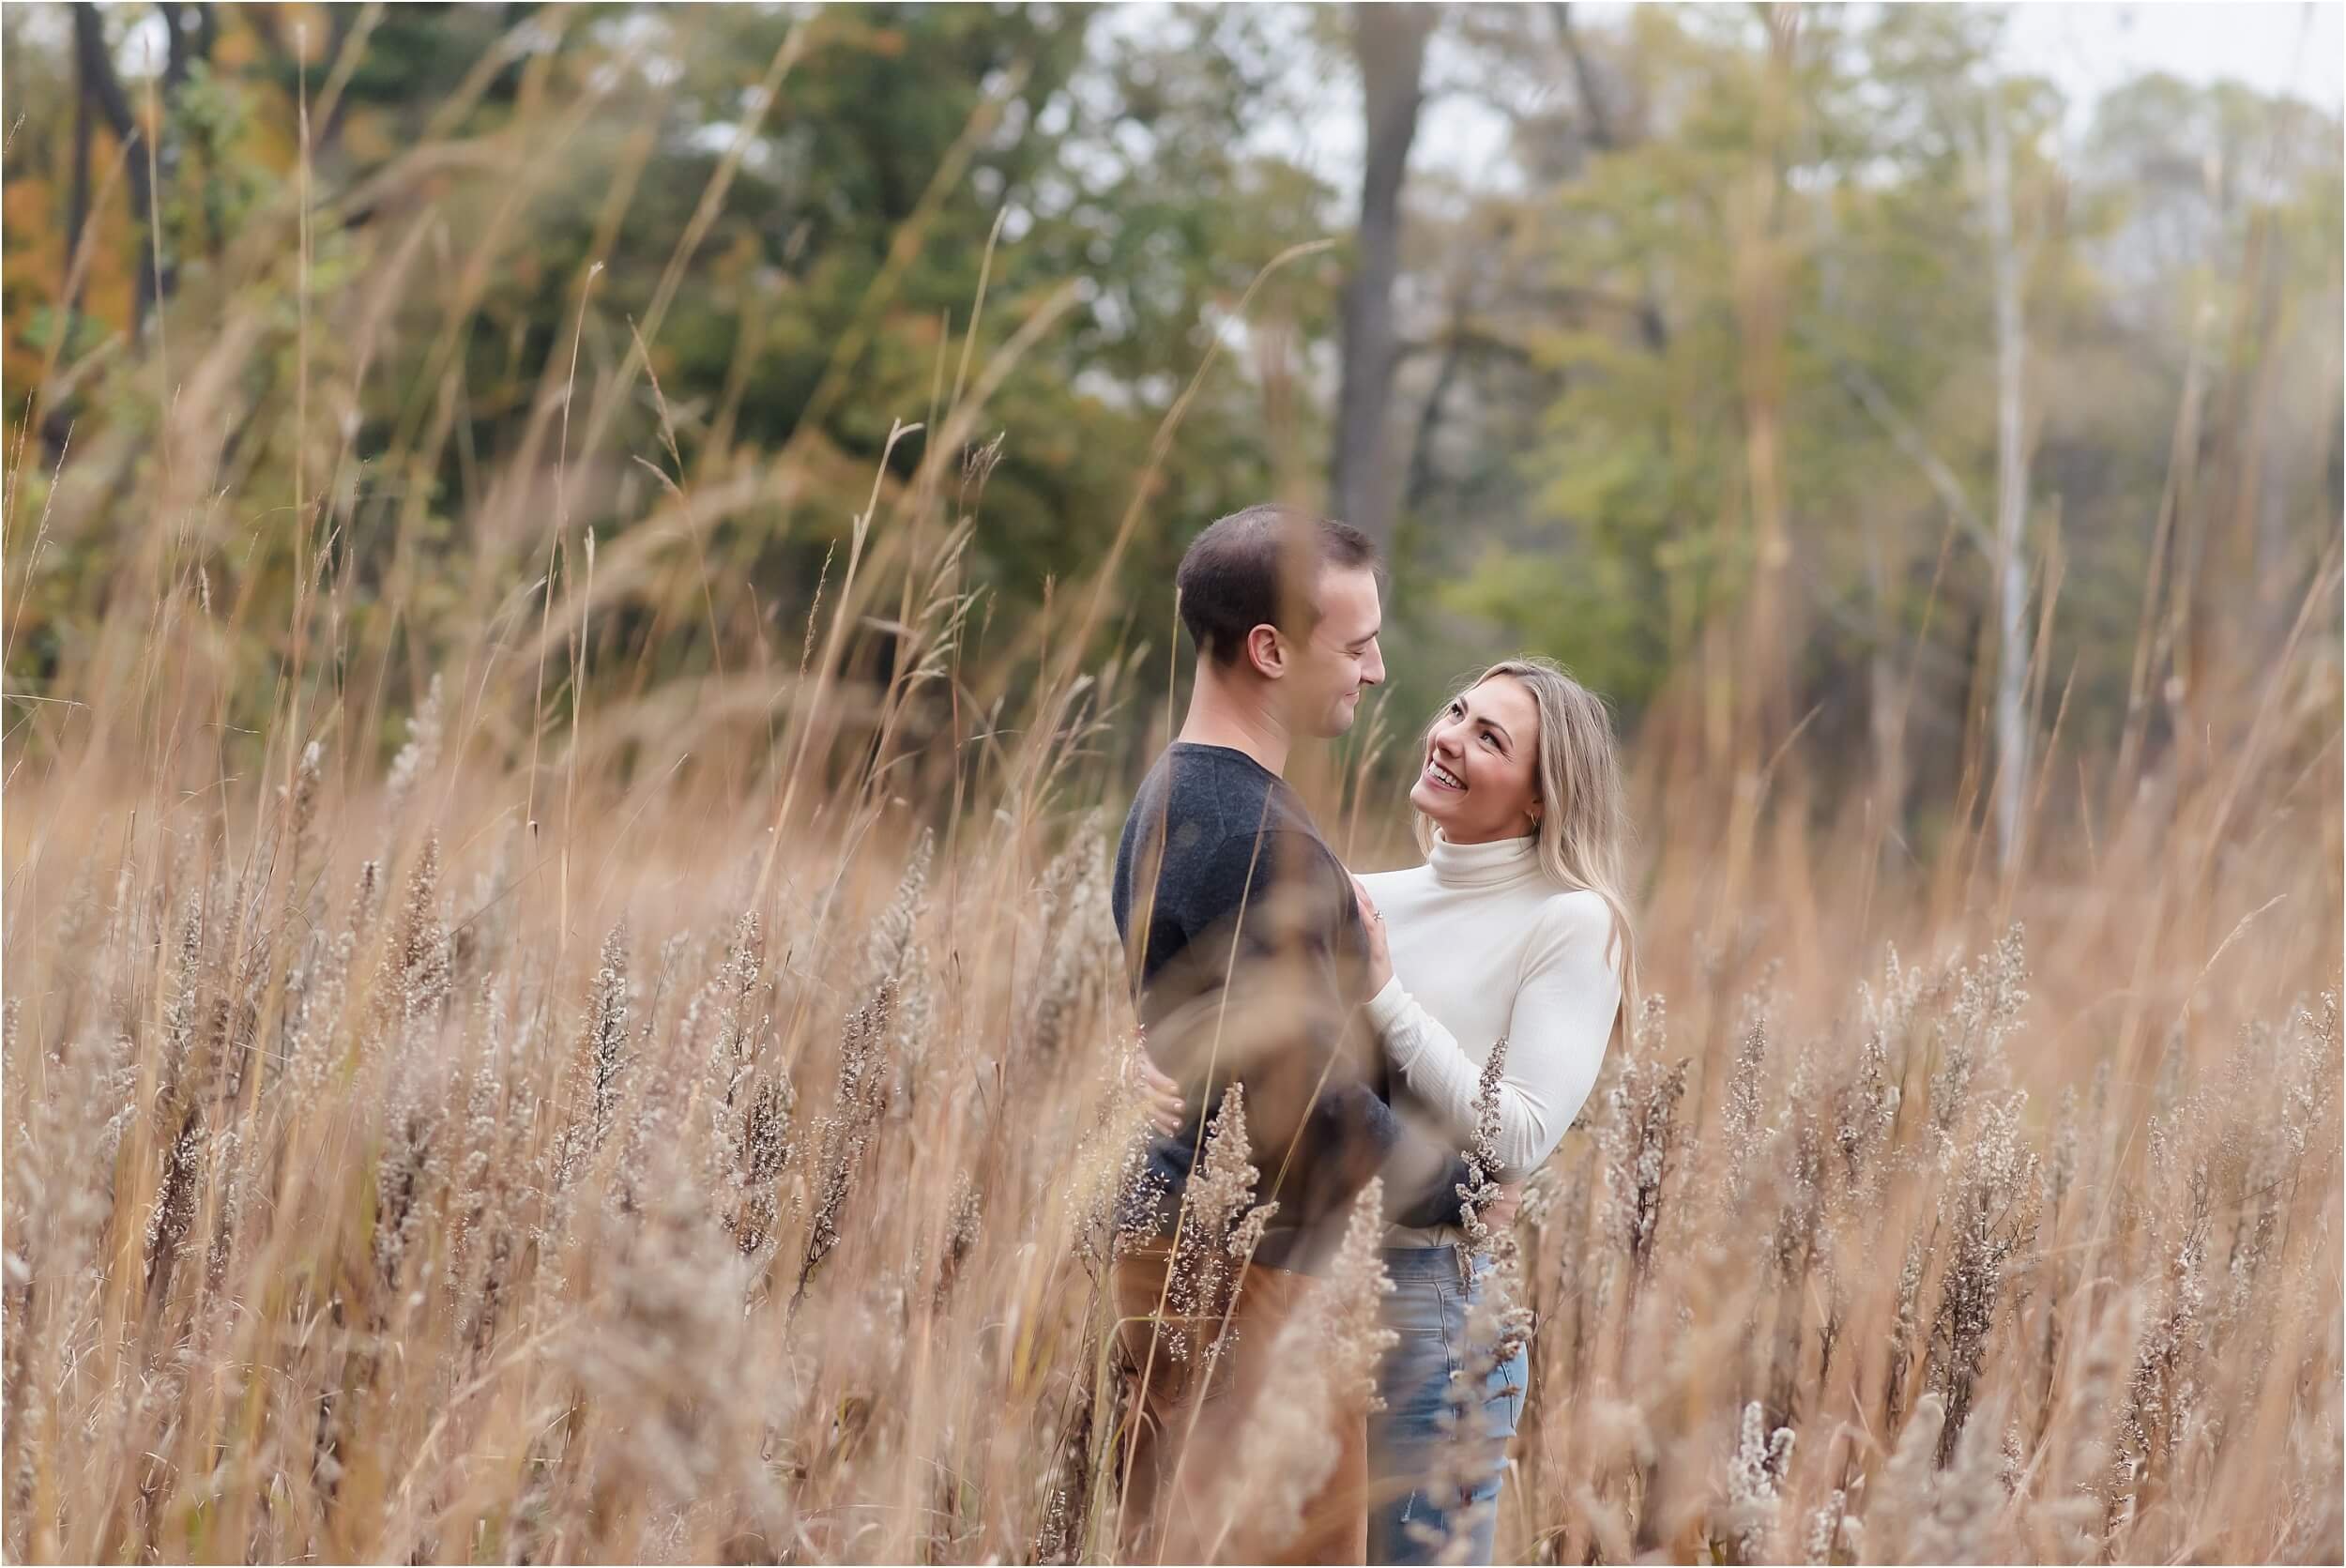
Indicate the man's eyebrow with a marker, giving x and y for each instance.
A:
(1366, 637)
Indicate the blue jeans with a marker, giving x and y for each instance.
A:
(1408, 1452)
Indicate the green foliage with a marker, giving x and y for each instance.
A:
(1758, 233)
(1852, 166)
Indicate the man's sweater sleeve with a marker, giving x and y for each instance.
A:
(1421, 1176)
(1340, 1125)
(1433, 1203)
(1562, 1019)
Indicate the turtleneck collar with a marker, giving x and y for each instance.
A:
(1483, 865)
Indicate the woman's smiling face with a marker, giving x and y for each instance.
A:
(1479, 778)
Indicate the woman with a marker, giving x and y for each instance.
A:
(1513, 929)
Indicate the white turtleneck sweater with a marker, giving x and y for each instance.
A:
(1485, 946)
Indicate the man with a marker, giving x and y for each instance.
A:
(1243, 940)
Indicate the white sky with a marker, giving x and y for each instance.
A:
(2294, 46)
(2277, 46)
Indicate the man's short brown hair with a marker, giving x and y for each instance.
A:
(1258, 567)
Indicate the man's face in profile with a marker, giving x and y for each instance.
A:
(1339, 659)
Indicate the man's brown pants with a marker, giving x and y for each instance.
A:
(1186, 1430)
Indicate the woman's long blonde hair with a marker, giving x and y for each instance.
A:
(1583, 826)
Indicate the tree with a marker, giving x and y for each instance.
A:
(828, 296)
(1388, 44)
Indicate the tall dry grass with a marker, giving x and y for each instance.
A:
(687, 1128)
(392, 1176)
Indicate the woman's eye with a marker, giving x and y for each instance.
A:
(1491, 741)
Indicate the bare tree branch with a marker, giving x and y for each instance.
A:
(1603, 135)
(1903, 435)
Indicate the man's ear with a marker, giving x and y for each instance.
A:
(1267, 652)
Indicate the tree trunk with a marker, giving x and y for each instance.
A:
(191, 30)
(2012, 741)
(95, 67)
(1885, 695)
(56, 424)
(77, 204)
(1390, 44)
(1421, 481)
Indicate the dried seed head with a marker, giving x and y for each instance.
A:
(417, 759)
(1220, 1227)
(847, 1130)
(1755, 1485)
(601, 1058)
(1481, 1187)
(891, 944)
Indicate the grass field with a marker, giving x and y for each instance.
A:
(708, 1159)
